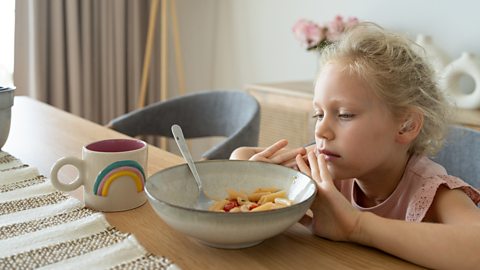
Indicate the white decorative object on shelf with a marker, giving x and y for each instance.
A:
(437, 57)
(468, 65)
(449, 73)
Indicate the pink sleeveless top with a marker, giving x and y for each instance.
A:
(415, 192)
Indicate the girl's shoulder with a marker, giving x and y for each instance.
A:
(426, 177)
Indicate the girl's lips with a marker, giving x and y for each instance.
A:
(328, 154)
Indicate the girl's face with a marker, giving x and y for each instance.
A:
(354, 128)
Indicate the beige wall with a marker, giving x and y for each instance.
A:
(228, 43)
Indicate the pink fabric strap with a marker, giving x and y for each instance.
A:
(423, 198)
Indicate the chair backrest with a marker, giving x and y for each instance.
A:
(232, 114)
(461, 154)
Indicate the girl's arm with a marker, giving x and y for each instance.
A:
(277, 153)
(452, 243)
(245, 152)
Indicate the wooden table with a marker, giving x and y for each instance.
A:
(40, 134)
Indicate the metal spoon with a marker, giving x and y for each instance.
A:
(203, 202)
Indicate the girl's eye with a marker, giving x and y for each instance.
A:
(319, 116)
(346, 115)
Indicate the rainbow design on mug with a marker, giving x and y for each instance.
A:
(116, 170)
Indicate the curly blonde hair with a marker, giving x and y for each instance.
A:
(390, 65)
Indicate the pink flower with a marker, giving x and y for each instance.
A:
(338, 26)
(352, 21)
(315, 36)
(335, 28)
(308, 33)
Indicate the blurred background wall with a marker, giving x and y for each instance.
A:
(229, 43)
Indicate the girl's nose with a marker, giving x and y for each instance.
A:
(323, 130)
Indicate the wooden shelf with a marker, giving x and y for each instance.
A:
(286, 112)
(470, 118)
(295, 88)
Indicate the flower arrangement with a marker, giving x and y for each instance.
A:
(315, 36)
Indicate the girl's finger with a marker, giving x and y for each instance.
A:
(290, 163)
(272, 149)
(312, 159)
(302, 166)
(324, 173)
(288, 156)
(293, 162)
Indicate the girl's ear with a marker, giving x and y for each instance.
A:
(410, 127)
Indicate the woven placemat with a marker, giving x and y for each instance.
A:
(41, 227)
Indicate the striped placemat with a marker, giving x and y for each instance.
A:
(41, 227)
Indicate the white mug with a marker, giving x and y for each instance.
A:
(112, 173)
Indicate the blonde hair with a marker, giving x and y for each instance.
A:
(389, 64)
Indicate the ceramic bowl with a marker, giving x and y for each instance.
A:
(172, 193)
(6, 103)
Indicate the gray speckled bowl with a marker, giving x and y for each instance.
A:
(6, 103)
(173, 191)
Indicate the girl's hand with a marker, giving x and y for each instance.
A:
(277, 154)
(333, 216)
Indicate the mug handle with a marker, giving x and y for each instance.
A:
(75, 162)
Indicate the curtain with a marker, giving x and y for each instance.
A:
(85, 56)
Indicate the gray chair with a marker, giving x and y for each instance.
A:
(461, 154)
(232, 114)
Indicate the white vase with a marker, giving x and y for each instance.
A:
(466, 65)
(436, 56)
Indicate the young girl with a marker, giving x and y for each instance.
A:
(379, 114)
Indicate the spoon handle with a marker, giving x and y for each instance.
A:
(182, 145)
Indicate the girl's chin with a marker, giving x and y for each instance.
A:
(338, 175)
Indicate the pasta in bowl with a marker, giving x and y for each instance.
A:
(262, 199)
(172, 192)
